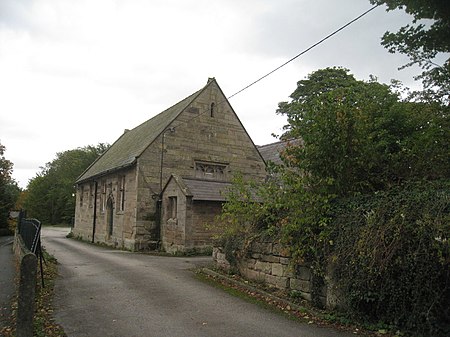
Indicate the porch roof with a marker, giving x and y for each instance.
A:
(207, 190)
(199, 189)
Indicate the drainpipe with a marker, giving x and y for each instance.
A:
(161, 165)
(159, 201)
(94, 220)
(171, 130)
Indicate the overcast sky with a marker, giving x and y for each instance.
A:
(78, 72)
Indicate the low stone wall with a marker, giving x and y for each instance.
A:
(27, 263)
(271, 263)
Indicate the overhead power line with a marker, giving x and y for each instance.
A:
(305, 51)
(292, 59)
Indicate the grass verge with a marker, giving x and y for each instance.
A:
(293, 308)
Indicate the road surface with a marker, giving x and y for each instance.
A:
(7, 286)
(106, 292)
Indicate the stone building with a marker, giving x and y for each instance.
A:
(161, 183)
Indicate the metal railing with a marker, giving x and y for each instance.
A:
(30, 231)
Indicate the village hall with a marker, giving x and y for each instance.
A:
(162, 184)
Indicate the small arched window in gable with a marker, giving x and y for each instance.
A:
(211, 111)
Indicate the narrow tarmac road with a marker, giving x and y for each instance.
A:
(105, 292)
(7, 286)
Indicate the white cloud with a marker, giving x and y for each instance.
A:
(76, 73)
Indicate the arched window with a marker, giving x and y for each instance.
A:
(110, 215)
(122, 193)
(210, 170)
(211, 112)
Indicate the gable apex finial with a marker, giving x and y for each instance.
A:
(210, 79)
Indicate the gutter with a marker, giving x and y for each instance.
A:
(104, 173)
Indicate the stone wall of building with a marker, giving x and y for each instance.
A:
(221, 138)
(148, 190)
(197, 136)
(173, 218)
(188, 227)
(204, 225)
(114, 187)
(270, 262)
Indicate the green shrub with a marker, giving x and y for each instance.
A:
(392, 256)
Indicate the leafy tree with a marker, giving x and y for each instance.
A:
(425, 150)
(339, 120)
(359, 137)
(50, 193)
(9, 190)
(422, 40)
(363, 193)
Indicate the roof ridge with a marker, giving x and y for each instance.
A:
(278, 142)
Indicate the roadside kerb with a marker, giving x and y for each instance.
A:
(261, 292)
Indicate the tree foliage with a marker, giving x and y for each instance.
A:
(427, 36)
(364, 190)
(9, 190)
(241, 217)
(359, 137)
(50, 196)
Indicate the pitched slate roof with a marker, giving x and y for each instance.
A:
(271, 152)
(125, 150)
(199, 189)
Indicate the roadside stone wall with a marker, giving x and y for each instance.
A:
(271, 263)
(27, 272)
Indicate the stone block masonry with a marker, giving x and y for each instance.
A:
(27, 262)
(271, 263)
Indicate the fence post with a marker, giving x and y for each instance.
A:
(26, 295)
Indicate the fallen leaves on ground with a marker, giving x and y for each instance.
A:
(301, 309)
(43, 323)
